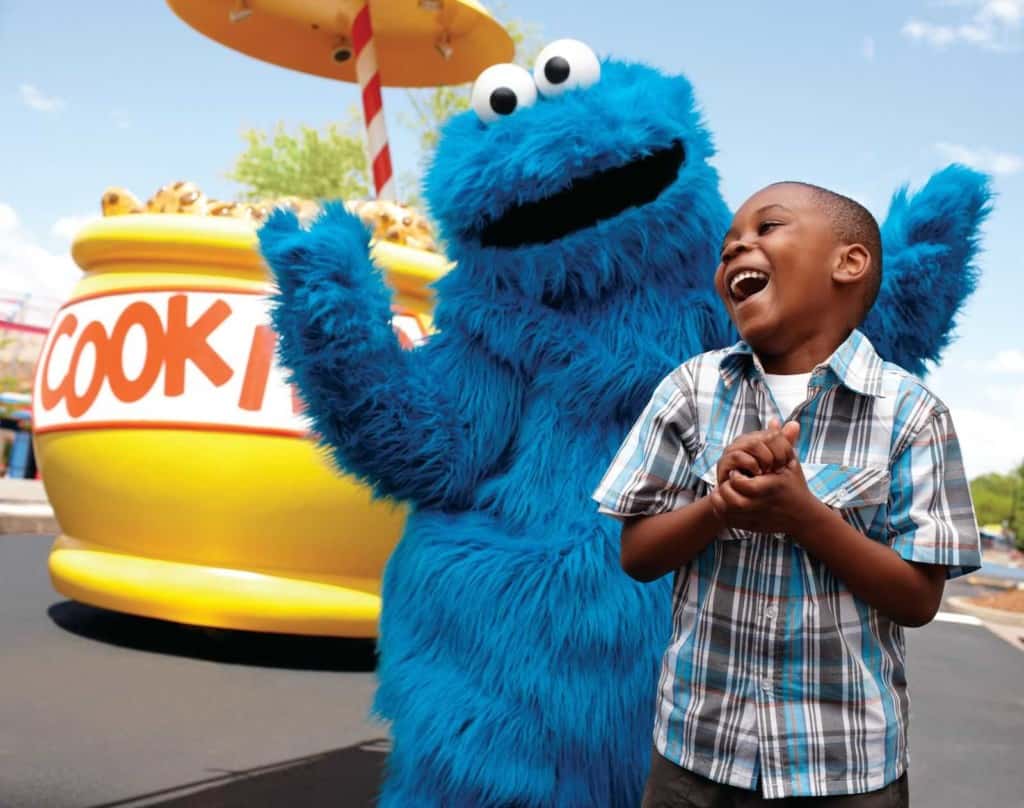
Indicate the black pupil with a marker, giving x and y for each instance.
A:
(503, 101)
(556, 69)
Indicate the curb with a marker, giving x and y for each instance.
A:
(977, 579)
(34, 518)
(993, 615)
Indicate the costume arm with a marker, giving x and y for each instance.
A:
(634, 366)
(929, 242)
(651, 486)
(421, 425)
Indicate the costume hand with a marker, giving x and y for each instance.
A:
(759, 452)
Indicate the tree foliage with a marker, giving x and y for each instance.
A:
(332, 164)
(999, 499)
(311, 164)
(432, 107)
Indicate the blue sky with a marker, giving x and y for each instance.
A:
(857, 97)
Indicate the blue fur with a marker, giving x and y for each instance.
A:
(929, 242)
(518, 664)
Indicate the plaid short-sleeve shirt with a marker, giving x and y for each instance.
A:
(776, 677)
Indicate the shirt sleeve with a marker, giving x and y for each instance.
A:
(651, 472)
(931, 515)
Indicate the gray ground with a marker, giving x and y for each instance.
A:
(99, 710)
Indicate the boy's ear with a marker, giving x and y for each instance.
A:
(853, 264)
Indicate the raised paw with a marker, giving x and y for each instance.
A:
(283, 248)
(334, 249)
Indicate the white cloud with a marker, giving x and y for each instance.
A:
(34, 98)
(993, 24)
(66, 227)
(999, 163)
(1007, 396)
(991, 440)
(1008, 12)
(937, 35)
(867, 48)
(1009, 361)
(26, 267)
(986, 407)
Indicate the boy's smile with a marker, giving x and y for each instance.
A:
(743, 282)
(776, 275)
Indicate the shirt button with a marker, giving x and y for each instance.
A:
(844, 493)
(771, 612)
(766, 685)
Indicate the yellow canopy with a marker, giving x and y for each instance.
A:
(420, 43)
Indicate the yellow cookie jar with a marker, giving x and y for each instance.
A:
(175, 454)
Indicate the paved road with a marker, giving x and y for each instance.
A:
(99, 710)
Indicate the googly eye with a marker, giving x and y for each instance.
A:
(567, 64)
(501, 90)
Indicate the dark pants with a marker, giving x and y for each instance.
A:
(669, 786)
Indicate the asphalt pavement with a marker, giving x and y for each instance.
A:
(101, 710)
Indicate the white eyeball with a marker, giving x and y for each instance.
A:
(567, 64)
(501, 90)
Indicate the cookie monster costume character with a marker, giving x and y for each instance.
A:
(518, 663)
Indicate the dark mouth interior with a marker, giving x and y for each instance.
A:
(587, 201)
(748, 287)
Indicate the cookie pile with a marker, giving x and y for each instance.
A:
(390, 221)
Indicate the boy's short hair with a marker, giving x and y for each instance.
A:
(853, 224)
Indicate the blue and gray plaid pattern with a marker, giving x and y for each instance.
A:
(776, 676)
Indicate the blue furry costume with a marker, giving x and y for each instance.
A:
(518, 663)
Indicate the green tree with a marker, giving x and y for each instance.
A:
(999, 499)
(311, 164)
(332, 164)
(13, 382)
(432, 107)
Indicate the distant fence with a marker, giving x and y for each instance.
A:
(27, 309)
(24, 322)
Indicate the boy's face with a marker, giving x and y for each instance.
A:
(775, 276)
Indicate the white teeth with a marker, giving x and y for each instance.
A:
(747, 273)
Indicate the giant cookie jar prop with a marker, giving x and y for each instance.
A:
(175, 455)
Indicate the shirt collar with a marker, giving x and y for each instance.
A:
(854, 364)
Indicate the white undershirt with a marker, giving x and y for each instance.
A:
(788, 391)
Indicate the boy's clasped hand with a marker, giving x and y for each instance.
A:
(761, 486)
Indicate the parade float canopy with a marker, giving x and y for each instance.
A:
(420, 43)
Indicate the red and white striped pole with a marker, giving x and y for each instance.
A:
(368, 75)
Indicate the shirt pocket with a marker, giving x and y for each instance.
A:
(859, 493)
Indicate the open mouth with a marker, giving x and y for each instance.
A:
(747, 283)
(586, 201)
